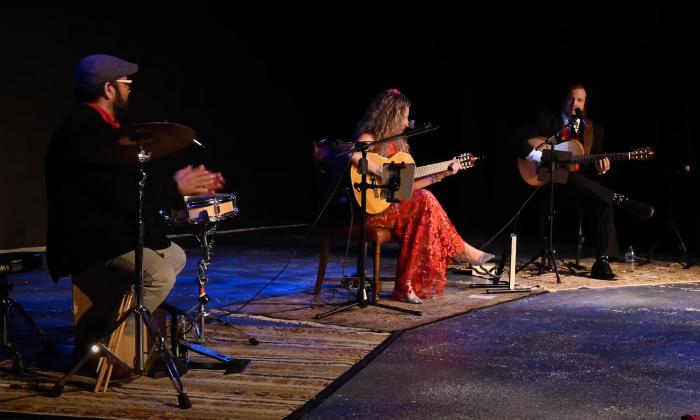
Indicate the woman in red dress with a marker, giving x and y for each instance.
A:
(429, 242)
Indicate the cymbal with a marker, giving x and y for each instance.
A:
(157, 138)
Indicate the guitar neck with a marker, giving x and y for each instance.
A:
(434, 168)
(593, 158)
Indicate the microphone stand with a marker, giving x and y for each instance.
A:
(550, 217)
(552, 169)
(362, 299)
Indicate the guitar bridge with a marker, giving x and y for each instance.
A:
(377, 191)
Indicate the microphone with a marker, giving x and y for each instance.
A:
(581, 120)
(576, 116)
(412, 125)
(576, 121)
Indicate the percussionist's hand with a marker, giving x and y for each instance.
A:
(198, 180)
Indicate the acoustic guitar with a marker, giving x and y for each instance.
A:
(376, 198)
(529, 169)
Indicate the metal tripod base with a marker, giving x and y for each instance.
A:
(362, 302)
(7, 305)
(159, 348)
(230, 364)
(199, 323)
(496, 282)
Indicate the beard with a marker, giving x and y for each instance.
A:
(121, 105)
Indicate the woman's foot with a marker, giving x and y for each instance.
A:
(473, 256)
(412, 298)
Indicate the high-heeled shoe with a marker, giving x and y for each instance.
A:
(412, 298)
(473, 256)
(481, 259)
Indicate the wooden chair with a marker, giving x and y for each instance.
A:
(376, 236)
(335, 224)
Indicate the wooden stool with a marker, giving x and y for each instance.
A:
(96, 307)
(376, 235)
(105, 365)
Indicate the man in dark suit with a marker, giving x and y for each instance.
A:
(573, 124)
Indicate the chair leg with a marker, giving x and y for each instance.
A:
(377, 274)
(322, 262)
(580, 239)
(359, 269)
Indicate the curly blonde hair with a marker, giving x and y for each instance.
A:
(383, 118)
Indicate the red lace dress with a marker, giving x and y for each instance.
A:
(428, 243)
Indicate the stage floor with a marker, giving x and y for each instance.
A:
(300, 360)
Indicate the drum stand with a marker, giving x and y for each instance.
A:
(180, 344)
(15, 263)
(141, 316)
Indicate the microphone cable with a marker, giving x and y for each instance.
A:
(515, 216)
(296, 250)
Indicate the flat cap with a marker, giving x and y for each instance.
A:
(96, 69)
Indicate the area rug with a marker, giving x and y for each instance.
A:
(459, 298)
(460, 295)
(644, 274)
(290, 366)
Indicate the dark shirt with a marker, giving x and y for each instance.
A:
(92, 202)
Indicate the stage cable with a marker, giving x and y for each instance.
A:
(515, 216)
(517, 213)
(296, 250)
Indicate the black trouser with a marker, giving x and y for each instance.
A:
(597, 202)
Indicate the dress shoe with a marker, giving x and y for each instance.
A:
(639, 210)
(601, 269)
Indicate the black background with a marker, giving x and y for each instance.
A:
(260, 83)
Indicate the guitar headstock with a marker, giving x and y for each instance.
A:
(467, 160)
(645, 153)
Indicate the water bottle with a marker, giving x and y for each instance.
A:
(629, 259)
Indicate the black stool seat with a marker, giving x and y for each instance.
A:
(19, 262)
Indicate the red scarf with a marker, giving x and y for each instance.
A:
(106, 116)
